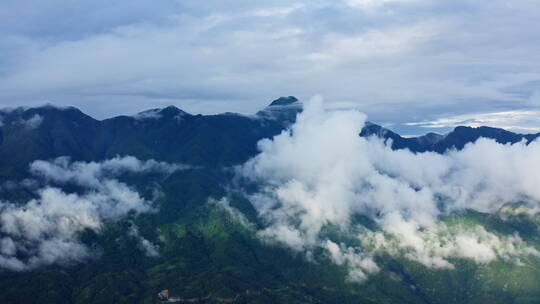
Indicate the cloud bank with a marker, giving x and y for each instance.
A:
(91, 174)
(45, 230)
(321, 174)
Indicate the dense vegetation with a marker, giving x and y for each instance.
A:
(207, 255)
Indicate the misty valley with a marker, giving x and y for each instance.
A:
(298, 203)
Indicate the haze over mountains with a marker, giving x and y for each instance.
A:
(296, 203)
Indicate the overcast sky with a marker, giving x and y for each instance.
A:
(413, 65)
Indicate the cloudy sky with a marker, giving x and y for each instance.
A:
(413, 65)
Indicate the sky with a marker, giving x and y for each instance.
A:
(412, 65)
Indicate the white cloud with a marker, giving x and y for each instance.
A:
(90, 174)
(360, 265)
(320, 173)
(277, 11)
(33, 122)
(434, 245)
(150, 114)
(377, 44)
(45, 229)
(29, 124)
(371, 4)
(150, 249)
(224, 204)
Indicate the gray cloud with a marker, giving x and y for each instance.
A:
(416, 58)
(320, 173)
(45, 229)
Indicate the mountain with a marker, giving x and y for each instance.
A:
(168, 134)
(172, 135)
(456, 139)
(67, 220)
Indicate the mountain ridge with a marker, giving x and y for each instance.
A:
(173, 135)
(279, 104)
(203, 250)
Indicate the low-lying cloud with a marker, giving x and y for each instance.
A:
(150, 249)
(33, 122)
(45, 229)
(90, 174)
(320, 173)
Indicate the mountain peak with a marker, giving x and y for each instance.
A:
(172, 111)
(282, 109)
(430, 139)
(284, 101)
(167, 112)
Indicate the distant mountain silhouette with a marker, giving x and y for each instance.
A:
(172, 135)
(456, 139)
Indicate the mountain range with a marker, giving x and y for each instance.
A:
(148, 223)
(172, 135)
